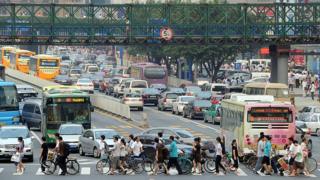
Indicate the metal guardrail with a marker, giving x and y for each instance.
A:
(98, 101)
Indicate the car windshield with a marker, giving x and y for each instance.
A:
(158, 86)
(8, 98)
(93, 69)
(219, 89)
(71, 130)
(187, 99)
(61, 77)
(193, 89)
(204, 95)
(85, 81)
(172, 96)
(107, 134)
(75, 71)
(183, 133)
(14, 133)
(139, 84)
(202, 103)
(133, 95)
(151, 91)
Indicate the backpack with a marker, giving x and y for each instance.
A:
(66, 149)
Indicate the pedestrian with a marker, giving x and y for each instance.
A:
(260, 150)
(304, 87)
(235, 155)
(291, 81)
(219, 157)
(160, 156)
(43, 153)
(115, 156)
(305, 152)
(298, 158)
(290, 149)
(56, 136)
(196, 153)
(137, 147)
(312, 90)
(103, 147)
(131, 140)
(173, 155)
(123, 154)
(62, 155)
(160, 136)
(266, 162)
(19, 154)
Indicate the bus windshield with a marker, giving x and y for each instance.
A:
(48, 63)
(24, 57)
(68, 112)
(278, 93)
(269, 115)
(8, 98)
(154, 72)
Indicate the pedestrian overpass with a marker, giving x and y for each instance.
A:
(175, 24)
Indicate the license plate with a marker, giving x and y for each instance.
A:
(153, 96)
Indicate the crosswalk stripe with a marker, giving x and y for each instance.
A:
(312, 175)
(39, 172)
(85, 171)
(1, 169)
(241, 172)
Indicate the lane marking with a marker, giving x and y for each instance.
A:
(202, 126)
(241, 172)
(85, 171)
(36, 136)
(1, 169)
(39, 172)
(186, 121)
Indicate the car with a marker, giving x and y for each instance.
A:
(213, 114)
(109, 89)
(166, 100)
(89, 141)
(26, 91)
(135, 86)
(178, 91)
(160, 87)
(133, 100)
(150, 96)
(70, 134)
(192, 90)
(204, 95)
(179, 103)
(311, 124)
(182, 135)
(9, 141)
(119, 88)
(307, 111)
(195, 109)
(148, 146)
(32, 114)
(63, 80)
(86, 85)
(215, 88)
(75, 73)
(96, 80)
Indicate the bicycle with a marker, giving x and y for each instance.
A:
(73, 167)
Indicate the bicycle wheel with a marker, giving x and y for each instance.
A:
(311, 165)
(50, 167)
(138, 166)
(73, 167)
(148, 165)
(103, 166)
(185, 165)
(251, 162)
(210, 166)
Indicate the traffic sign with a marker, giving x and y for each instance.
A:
(166, 33)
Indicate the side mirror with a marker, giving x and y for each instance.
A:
(91, 108)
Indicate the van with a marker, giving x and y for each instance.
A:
(135, 86)
(85, 67)
(32, 114)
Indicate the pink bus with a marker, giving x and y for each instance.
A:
(245, 116)
(152, 73)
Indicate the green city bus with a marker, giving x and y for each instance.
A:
(64, 105)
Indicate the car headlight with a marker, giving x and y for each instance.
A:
(16, 119)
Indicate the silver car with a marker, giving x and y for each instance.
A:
(89, 141)
(70, 134)
(182, 135)
(9, 141)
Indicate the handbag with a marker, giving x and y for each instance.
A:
(15, 157)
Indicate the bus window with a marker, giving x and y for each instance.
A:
(154, 73)
(278, 93)
(269, 115)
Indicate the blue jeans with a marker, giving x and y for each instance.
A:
(258, 164)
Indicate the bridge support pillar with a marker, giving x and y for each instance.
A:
(279, 63)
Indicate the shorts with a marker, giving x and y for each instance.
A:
(115, 161)
(197, 158)
(299, 165)
(122, 158)
(266, 160)
(291, 161)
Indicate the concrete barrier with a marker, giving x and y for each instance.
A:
(99, 101)
(176, 82)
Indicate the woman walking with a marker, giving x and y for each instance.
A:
(196, 152)
(235, 156)
(19, 152)
(219, 157)
(305, 153)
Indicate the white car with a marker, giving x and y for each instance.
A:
(310, 124)
(180, 102)
(133, 100)
(86, 85)
(9, 141)
(119, 88)
(70, 134)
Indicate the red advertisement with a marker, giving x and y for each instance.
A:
(299, 60)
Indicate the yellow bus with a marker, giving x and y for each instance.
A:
(279, 91)
(19, 60)
(5, 55)
(44, 66)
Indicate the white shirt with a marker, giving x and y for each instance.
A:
(218, 149)
(291, 150)
(136, 146)
(260, 152)
(101, 145)
(298, 153)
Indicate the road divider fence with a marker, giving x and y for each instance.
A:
(98, 101)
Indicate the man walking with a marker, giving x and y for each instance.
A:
(173, 156)
(62, 155)
(260, 151)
